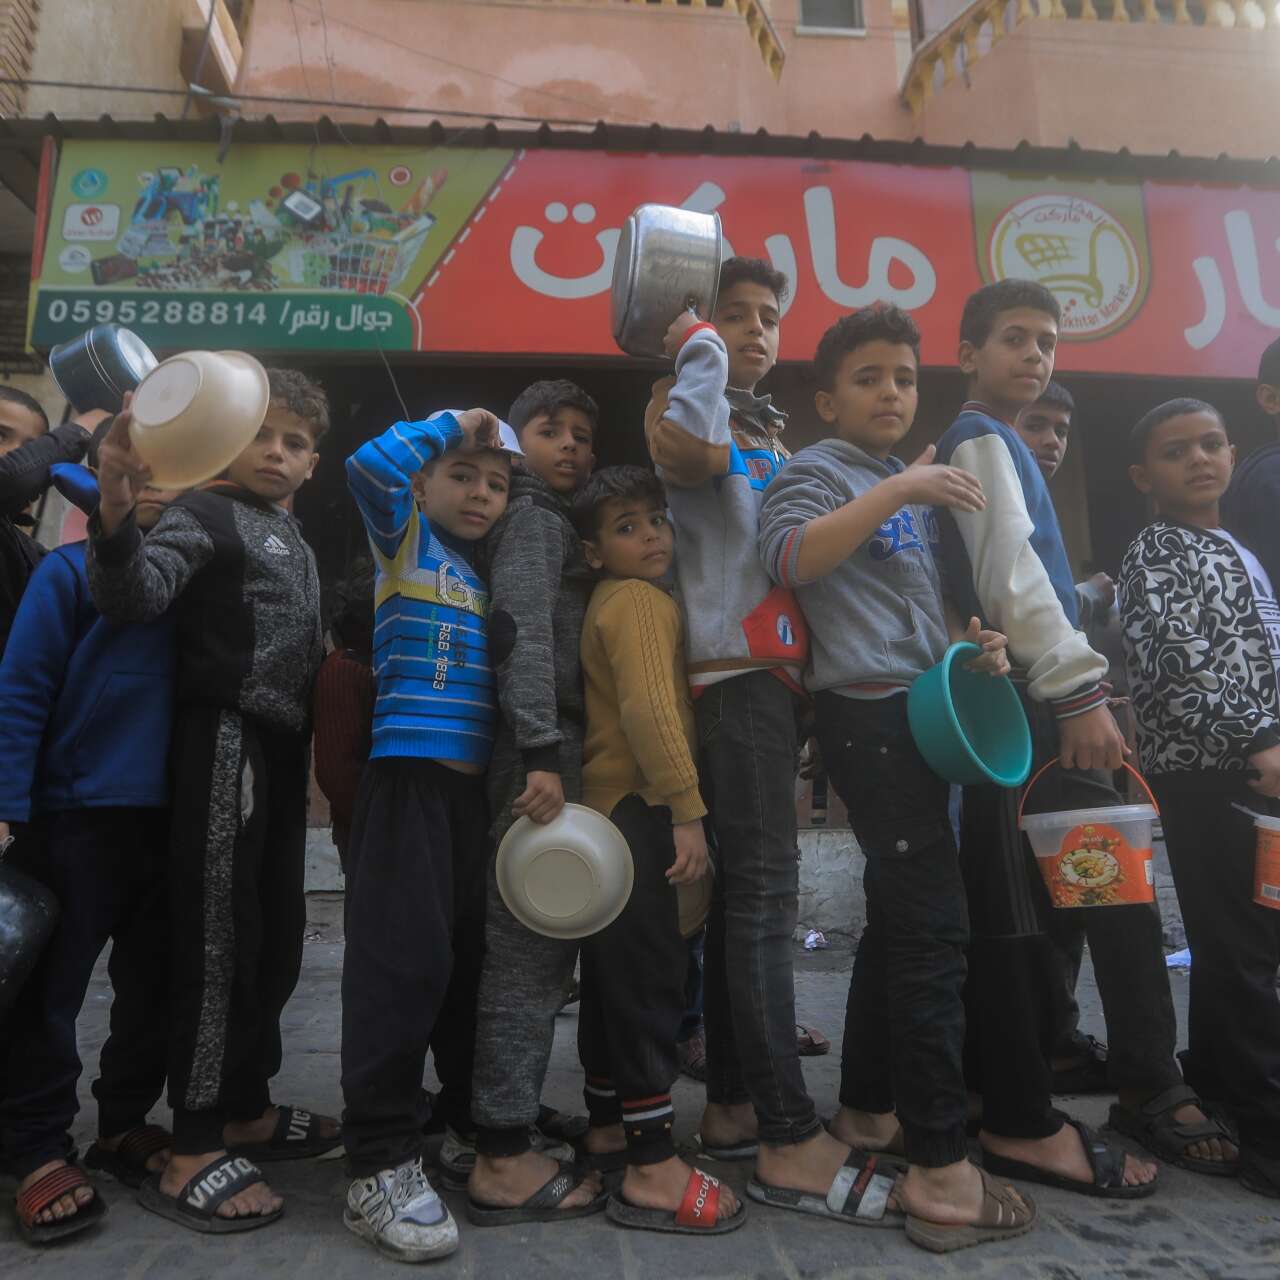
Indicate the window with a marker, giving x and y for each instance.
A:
(832, 15)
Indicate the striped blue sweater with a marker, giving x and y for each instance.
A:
(436, 693)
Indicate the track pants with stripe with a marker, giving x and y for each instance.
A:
(238, 913)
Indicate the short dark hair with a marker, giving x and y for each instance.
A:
(1058, 396)
(1140, 436)
(16, 396)
(608, 484)
(878, 322)
(548, 396)
(984, 305)
(349, 607)
(758, 271)
(1269, 365)
(293, 390)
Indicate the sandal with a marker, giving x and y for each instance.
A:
(295, 1138)
(1153, 1125)
(731, 1153)
(44, 1192)
(1003, 1216)
(560, 1127)
(1088, 1074)
(127, 1163)
(698, 1214)
(1106, 1162)
(810, 1042)
(196, 1205)
(859, 1195)
(542, 1206)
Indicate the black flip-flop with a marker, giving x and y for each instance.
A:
(196, 1205)
(560, 1127)
(128, 1162)
(542, 1206)
(45, 1191)
(698, 1215)
(295, 1138)
(1153, 1125)
(1106, 1162)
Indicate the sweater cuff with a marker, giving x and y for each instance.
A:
(1263, 740)
(544, 759)
(1090, 698)
(700, 327)
(118, 548)
(686, 807)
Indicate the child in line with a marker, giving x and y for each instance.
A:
(852, 531)
(86, 710)
(1202, 639)
(232, 563)
(428, 492)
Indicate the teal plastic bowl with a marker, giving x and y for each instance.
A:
(969, 727)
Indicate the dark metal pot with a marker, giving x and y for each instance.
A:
(95, 370)
(28, 914)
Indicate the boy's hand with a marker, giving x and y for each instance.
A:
(691, 853)
(542, 798)
(1091, 741)
(673, 339)
(479, 430)
(994, 659)
(122, 474)
(1102, 588)
(929, 484)
(1267, 764)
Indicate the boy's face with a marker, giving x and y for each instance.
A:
(1046, 429)
(747, 316)
(18, 426)
(558, 448)
(464, 493)
(1268, 401)
(1187, 465)
(634, 540)
(1012, 368)
(279, 460)
(872, 401)
(151, 504)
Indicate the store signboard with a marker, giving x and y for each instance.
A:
(494, 252)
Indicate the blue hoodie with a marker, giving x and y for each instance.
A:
(86, 707)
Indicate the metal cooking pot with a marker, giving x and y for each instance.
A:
(28, 914)
(668, 261)
(95, 370)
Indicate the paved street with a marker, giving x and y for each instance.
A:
(1196, 1227)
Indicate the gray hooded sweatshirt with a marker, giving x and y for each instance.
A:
(877, 618)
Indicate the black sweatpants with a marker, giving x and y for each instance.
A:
(415, 945)
(107, 868)
(237, 911)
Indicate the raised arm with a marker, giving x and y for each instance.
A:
(687, 421)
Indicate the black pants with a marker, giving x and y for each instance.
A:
(238, 914)
(415, 945)
(747, 765)
(107, 868)
(1233, 1016)
(904, 1024)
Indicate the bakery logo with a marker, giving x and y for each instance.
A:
(1076, 249)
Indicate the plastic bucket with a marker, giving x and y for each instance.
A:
(1094, 857)
(1266, 859)
(969, 727)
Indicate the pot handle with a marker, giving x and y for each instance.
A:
(1026, 791)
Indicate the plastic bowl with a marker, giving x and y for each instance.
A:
(969, 727)
(195, 413)
(568, 878)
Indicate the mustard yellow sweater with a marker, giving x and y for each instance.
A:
(640, 728)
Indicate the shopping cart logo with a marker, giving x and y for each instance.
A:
(1078, 250)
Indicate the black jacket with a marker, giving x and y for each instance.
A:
(1250, 506)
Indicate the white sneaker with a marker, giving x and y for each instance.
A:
(399, 1213)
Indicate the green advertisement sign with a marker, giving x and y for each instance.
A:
(278, 248)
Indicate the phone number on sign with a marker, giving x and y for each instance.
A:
(104, 310)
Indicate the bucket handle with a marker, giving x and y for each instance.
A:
(1026, 791)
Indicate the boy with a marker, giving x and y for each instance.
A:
(1007, 564)
(232, 562)
(86, 710)
(851, 531)
(428, 492)
(1202, 639)
(1249, 506)
(539, 583)
(716, 445)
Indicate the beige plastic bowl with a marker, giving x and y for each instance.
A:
(568, 878)
(695, 905)
(195, 413)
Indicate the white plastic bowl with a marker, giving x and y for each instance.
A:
(195, 413)
(568, 878)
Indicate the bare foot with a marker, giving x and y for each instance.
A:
(1063, 1154)
(155, 1161)
(64, 1206)
(868, 1130)
(662, 1186)
(725, 1126)
(803, 1166)
(950, 1196)
(255, 1201)
(506, 1182)
(605, 1140)
(240, 1133)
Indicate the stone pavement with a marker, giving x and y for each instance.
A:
(1200, 1228)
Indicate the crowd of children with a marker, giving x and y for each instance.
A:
(530, 632)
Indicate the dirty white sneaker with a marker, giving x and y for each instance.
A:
(397, 1211)
(458, 1155)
